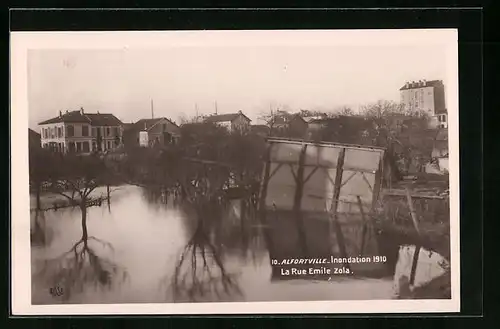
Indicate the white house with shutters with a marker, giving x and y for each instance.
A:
(81, 132)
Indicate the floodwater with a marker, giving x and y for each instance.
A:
(148, 238)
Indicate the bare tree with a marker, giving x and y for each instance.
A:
(403, 132)
(75, 178)
(345, 111)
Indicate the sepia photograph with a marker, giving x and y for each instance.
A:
(235, 172)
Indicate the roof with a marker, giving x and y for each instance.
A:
(416, 85)
(97, 119)
(148, 123)
(225, 117)
(103, 119)
(284, 118)
(33, 134)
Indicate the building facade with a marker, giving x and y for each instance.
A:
(80, 132)
(34, 139)
(428, 97)
(151, 132)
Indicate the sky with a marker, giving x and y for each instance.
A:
(253, 78)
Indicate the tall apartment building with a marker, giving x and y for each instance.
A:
(80, 132)
(426, 96)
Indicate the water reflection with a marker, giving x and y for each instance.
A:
(151, 248)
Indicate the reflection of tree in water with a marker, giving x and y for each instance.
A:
(82, 266)
(200, 271)
(41, 235)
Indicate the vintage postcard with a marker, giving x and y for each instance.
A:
(235, 172)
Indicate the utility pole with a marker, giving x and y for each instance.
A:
(196, 108)
(215, 107)
(152, 110)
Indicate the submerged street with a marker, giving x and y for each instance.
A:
(147, 238)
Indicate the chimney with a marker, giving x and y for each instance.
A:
(66, 111)
(407, 84)
(60, 114)
(81, 110)
(424, 82)
(419, 83)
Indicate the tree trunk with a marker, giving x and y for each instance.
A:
(38, 187)
(243, 226)
(108, 193)
(83, 208)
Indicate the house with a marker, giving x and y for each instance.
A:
(440, 148)
(289, 125)
(81, 132)
(234, 122)
(34, 139)
(439, 156)
(151, 132)
(428, 97)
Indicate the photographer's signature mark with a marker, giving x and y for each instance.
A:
(56, 291)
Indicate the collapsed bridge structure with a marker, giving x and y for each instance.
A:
(316, 201)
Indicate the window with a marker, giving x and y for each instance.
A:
(59, 132)
(117, 131)
(109, 145)
(78, 146)
(94, 146)
(94, 131)
(71, 146)
(70, 131)
(85, 131)
(108, 131)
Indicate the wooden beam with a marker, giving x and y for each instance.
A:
(412, 210)
(262, 212)
(365, 224)
(345, 168)
(299, 189)
(335, 203)
(416, 195)
(323, 143)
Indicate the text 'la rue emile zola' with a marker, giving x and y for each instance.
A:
(325, 269)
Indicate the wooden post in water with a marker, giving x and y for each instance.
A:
(335, 204)
(365, 224)
(418, 246)
(299, 187)
(412, 210)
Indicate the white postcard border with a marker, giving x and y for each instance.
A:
(21, 42)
